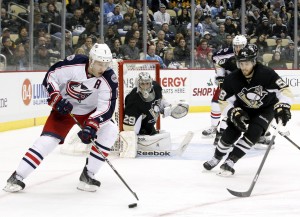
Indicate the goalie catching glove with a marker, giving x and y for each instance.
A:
(178, 111)
(59, 104)
(282, 112)
(239, 118)
(89, 131)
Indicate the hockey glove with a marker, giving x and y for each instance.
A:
(89, 131)
(59, 104)
(219, 81)
(239, 118)
(282, 112)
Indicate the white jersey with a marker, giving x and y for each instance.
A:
(71, 79)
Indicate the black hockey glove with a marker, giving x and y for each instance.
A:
(239, 118)
(59, 104)
(282, 112)
(219, 81)
(89, 131)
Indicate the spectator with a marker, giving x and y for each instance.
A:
(249, 28)
(264, 28)
(277, 62)
(110, 36)
(129, 34)
(250, 8)
(88, 44)
(131, 12)
(182, 53)
(124, 25)
(220, 39)
(69, 50)
(72, 5)
(90, 31)
(278, 47)
(230, 28)
(123, 6)
(162, 16)
(76, 20)
(199, 29)
(184, 18)
(6, 33)
(262, 47)
(210, 26)
(203, 50)
(170, 62)
(235, 19)
(160, 49)
(204, 7)
(117, 51)
(161, 36)
(169, 36)
(23, 35)
(113, 18)
(227, 42)
(255, 18)
(207, 63)
(131, 51)
(21, 60)
(80, 50)
(94, 15)
(139, 40)
(87, 6)
(152, 56)
(52, 14)
(283, 14)
(216, 8)
(8, 51)
(207, 36)
(288, 52)
(279, 29)
(108, 7)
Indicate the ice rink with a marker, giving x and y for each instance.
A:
(176, 186)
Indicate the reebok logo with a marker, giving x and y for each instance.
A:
(154, 153)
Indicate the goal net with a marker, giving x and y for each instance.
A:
(127, 71)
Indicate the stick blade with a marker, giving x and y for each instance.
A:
(239, 194)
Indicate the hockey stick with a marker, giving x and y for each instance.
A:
(169, 153)
(249, 191)
(286, 137)
(107, 161)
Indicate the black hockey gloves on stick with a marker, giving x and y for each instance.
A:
(283, 112)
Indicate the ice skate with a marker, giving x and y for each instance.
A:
(209, 165)
(264, 142)
(87, 183)
(226, 169)
(14, 184)
(210, 132)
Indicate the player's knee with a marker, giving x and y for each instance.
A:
(45, 145)
(253, 133)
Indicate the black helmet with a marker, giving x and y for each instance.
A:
(247, 53)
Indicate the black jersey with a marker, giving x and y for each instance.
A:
(265, 89)
(135, 106)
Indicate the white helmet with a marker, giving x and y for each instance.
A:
(101, 53)
(147, 94)
(239, 40)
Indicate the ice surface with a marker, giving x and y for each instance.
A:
(175, 186)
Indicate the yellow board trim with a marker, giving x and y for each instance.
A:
(31, 122)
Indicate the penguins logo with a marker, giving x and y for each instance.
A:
(78, 90)
(253, 96)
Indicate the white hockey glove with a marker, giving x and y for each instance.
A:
(177, 111)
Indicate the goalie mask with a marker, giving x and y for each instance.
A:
(145, 87)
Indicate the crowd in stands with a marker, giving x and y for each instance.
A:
(268, 23)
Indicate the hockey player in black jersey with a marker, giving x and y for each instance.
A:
(250, 97)
(143, 105)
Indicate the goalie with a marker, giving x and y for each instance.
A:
(143, 105)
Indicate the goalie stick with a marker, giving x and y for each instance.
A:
(249, 191)
(285, 135)
(169, 153)
(107, 161)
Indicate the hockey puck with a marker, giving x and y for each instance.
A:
(132, 205)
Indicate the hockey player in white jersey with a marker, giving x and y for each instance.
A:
(143, 105)
(87, 88)
(225, 63)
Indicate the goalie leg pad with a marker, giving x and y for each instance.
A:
(128, 144)
(160, 141)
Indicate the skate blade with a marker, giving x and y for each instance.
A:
(211, 136)
(224, 173)
(82, 186)
(260, 146)
(12, 188)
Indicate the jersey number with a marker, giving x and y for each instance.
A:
(97, 84)
(129, 120)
